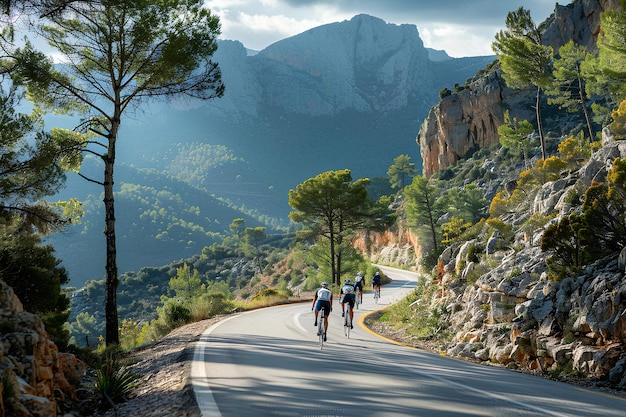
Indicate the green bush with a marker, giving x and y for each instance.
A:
(175, 313)
(210, 305)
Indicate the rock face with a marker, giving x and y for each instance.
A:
(468, 120)
(371, 66)
(35, 378)
(515, 316)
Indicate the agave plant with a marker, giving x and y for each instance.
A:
(114, 381)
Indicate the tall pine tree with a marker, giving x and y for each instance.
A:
(524, 59)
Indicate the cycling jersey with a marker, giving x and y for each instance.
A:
(324, 294)
(347, 289)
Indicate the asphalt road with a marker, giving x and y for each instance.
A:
(268, 363)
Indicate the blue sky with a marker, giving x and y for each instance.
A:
(460, 27)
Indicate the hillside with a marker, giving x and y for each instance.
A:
(346, 95)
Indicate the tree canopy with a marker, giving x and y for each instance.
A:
(32, 166)
(331, 206)
(568, 87)
(422, 209)
(401, 168)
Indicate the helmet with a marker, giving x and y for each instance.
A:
(377, 273)
(324, 284)
(346, 281)
(359, 274)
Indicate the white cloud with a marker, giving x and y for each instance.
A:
(457, 40)
(459, 27)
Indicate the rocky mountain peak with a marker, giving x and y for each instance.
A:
(363, 64)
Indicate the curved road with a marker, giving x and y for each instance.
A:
(268, 362)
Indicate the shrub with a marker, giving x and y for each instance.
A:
(129, 335)
(114, 382)
(210, 305)
(174, 313)
(618, 126)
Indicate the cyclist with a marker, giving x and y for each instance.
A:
(347, 296)
(376, 283)
(359, 282)
(323, 300)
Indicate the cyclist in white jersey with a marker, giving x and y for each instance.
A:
(323, 300)
(347, 296)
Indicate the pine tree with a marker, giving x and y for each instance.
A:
(401, 169)
(332, 207)
(568, 88)
(118, 53)
(524, 59)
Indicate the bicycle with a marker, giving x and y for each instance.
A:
(357, 299)
(376, 294)
(347, 323)
(321, 332)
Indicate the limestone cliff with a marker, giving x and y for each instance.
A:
(468, 120)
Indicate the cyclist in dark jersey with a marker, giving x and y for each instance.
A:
(347, 296)
(376, 283)
(359, 282)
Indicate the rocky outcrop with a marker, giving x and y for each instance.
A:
(468, 120)
(516, 316)
(397, 245)
(35, 378)
(578, 20)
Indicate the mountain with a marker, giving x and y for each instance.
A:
(350, 95)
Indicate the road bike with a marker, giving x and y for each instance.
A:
(321, 332)
(376, 294)
(347, 322)
(357, 299)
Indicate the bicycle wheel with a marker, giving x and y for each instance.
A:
(376, 295)
(347, 323)
(357, 300)
(320, 329)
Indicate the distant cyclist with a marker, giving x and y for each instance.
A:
(323, 300)
(376, 283)
(347, 296)
(359, 282)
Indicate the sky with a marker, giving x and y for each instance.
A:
(460, 27)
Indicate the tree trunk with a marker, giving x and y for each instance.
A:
(112, 324)
(112, 335)
(333, 267)
(540, 124)
(431, 221)
(583, 102)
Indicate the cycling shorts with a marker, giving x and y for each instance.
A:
(359, 285)
(323, 305)
(348, 298)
